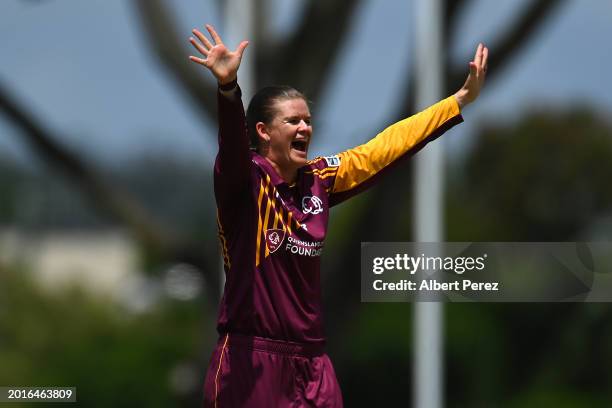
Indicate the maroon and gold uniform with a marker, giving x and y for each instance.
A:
(270, 351)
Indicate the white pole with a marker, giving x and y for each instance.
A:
(428, 384)
(239, 25)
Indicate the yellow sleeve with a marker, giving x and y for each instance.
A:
(362, 163)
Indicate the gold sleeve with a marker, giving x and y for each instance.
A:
(362, 163)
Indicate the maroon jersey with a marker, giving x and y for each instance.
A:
(272, 233)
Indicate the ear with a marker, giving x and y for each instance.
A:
(262, 132)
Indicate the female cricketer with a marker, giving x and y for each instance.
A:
(272, 211)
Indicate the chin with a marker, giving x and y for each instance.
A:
(299, 159)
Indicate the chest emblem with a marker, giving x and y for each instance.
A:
(312, 205)
(274, 239)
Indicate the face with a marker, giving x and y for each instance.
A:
(288, 135)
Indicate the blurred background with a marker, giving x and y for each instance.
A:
(109, 261)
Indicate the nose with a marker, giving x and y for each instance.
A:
(303, 126)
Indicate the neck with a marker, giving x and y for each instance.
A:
(287, 174)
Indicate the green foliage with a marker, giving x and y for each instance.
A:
(545, 178)
(114, 358)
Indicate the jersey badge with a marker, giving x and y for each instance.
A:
(312, 205)
(332, 161)
(274, 239)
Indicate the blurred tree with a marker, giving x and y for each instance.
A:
(300, 59)
(10, 179)
(36, 197)
(107, 197)
(542, 179)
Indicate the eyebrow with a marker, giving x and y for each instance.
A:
(297, 117)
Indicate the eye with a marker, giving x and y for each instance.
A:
(296, 121)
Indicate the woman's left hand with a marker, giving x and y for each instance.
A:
(475, 80)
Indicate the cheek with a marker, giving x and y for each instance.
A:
(280, 145)
(282, 140)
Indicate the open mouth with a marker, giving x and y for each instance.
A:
(299, 145)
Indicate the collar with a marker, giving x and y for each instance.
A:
(275, 178)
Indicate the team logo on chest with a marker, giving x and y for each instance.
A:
(312, 205)
(274, 239)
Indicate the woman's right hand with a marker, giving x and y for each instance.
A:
(222, 62)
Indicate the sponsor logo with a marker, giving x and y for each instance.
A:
(312, 205)
(274, 239)
(332, 161)
(304, 248)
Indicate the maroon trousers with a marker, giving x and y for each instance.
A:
(247, 371)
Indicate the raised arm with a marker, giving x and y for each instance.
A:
(361, 166)
(232, 162)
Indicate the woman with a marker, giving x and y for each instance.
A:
(273, 206)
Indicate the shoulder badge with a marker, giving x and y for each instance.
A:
(332, 161)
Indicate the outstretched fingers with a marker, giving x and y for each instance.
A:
(215, 56)
(198, 60)
(478, 67)
(485, 59)
(214, 34)
(476, 78)
(478, 55)
(202, 38)
(241, 47)
(198, 46)
(473, 70)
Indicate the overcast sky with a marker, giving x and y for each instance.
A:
(84, 69)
